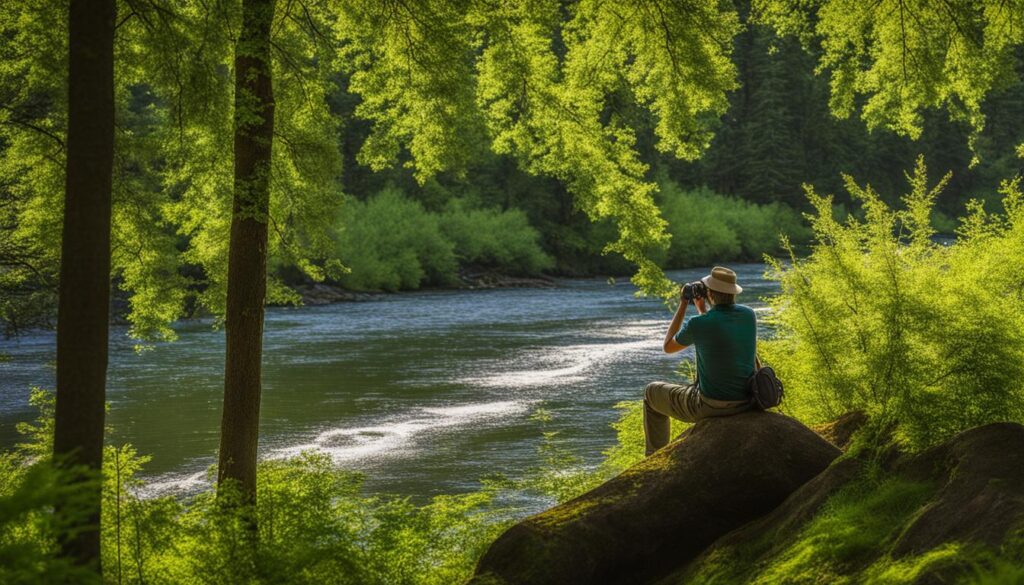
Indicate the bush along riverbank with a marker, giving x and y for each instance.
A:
(755, 498)
(390, 242)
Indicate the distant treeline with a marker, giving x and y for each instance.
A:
(392, 242)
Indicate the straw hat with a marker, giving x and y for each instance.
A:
(722, 280)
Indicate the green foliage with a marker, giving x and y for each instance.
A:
(999, 571)
(428, 86)
(412, 65)
(850, 539)
(304, 187)
(33, 53)
(538, 78)
(881, 318)
(550, 112)
(390, 242)
(856, 525)
(27, 525)
(30, 487)
(707, 228)
(172, 179)
(495, 238)
(906, 57)
(315, 526)
(845, 542)
(38, 435)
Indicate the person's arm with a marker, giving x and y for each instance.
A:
(671, 345)
(701, 304)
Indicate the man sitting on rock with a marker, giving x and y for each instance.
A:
(726, 345)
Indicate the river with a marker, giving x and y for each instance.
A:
(424, 392)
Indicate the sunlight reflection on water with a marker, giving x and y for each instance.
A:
(424, 392)
(390, 438)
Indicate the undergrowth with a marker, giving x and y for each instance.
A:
(850, 540)
(882, 318)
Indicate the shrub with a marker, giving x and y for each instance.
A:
(707, 227)
(494, 238)
(28, 526)
(881, 318)
(315, 526)
(390, 243)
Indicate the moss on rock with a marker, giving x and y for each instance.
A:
(666, 509)
(712, 508)
(949, 514)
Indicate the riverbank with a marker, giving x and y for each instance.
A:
(325, 293)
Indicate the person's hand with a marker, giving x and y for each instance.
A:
(700, 303)
(682, 300)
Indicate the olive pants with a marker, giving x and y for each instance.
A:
(663, 400)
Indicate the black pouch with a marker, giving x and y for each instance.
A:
(765, 389)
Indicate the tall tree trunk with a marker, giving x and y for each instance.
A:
(84, 305)
(247, 258)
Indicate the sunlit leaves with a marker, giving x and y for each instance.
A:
(882, 318)
(306, 164)
(554, 109)
(541, 78)
(173, 155)
(33, 59)
(906, 56)
(411, 62)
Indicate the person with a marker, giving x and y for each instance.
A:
(725, 340)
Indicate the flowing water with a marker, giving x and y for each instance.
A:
(423, 392)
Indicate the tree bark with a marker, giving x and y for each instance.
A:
(247, 257)
(84, 290)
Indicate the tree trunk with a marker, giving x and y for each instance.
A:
(84, 304)
(247, 258)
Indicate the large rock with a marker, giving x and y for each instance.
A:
(657, 515)
(978, 500)
(981, 500)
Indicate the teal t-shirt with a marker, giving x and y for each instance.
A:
(726, 343)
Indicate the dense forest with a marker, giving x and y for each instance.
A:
(166, 160)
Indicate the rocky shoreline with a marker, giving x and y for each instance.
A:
(324, 293)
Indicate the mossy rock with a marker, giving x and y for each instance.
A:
(840, 432)
(939, 516)
(662, 512)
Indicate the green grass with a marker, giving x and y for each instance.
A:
(849, 541)
(849, 534)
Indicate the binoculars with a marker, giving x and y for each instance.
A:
(694, 290)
